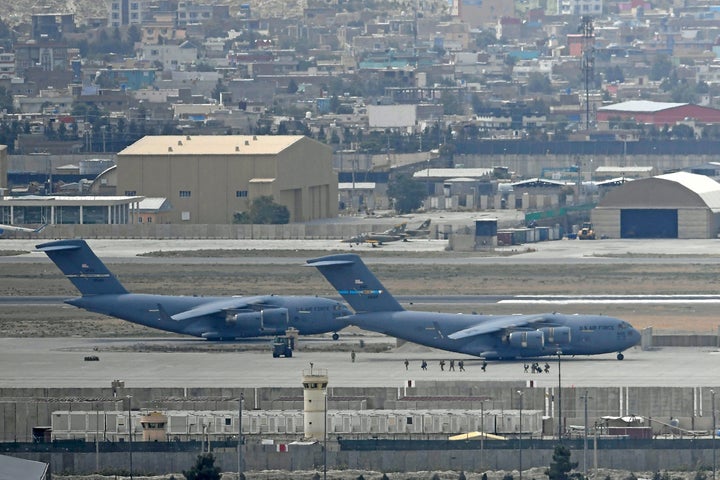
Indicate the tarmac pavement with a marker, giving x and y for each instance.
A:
(59, 362)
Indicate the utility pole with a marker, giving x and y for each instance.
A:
(585, 443)
(520, 394)
(588, 62)
(241, 400)
(130, 433)
(714, 433)
(560, 422)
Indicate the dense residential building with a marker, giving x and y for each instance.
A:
(125, 12)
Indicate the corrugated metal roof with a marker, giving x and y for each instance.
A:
(641, 106)
(452, 172)
(635, 169)
(540, 182)
(67, 199)
(152, 203)
(705, 187)
(356, 185)
(210, 145)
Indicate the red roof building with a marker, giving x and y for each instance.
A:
(658, 113)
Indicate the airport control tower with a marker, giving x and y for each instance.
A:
(315, 383)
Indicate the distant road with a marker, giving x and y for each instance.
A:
(425, 252)
(469, 299)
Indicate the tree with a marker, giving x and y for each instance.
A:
(451, 103)
(292, 86)
(661, 67)
(204, 469)
(219, 88)
(407, 193)
(263, 210)
(561, 464)
(682, 131)
(537, 82)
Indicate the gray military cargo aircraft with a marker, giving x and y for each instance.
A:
(487, 336)
(212, 318)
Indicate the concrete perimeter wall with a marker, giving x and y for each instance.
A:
(465, 456)
(293, 231)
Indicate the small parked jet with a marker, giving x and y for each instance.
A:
(376, 239)
(212, 318)
(14, 228)
(422, 231)
(487, 336)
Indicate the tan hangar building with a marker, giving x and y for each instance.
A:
(207, 178)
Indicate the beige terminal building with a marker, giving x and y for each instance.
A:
(208, 178)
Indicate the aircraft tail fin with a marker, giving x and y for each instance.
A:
(82, 267)
(356, 283)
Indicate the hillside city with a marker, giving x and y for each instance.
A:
(423, 79)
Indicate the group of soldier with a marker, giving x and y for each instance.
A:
(451, 365)
(536, 368)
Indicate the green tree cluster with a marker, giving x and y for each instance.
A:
(561, 466)
(407, 193)
(264, 211)
(204, 469)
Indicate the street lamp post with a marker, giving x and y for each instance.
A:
(559, 352)
(714, 432)
(240, 439)
(520, 470)
(325, 439)
(482, 431)
(129, 398)
(585, 446)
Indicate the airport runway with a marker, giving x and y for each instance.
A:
(38, 362)
(59, 362)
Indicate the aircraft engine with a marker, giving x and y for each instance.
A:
(557, 335)
(267, 319)
(533, 339)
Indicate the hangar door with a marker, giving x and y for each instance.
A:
(648, 223)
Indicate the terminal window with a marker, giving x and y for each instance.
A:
(241, 193)
(185, 193)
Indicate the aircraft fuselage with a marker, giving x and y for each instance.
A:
(270, 315)
(569, 334)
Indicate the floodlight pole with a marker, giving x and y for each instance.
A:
(325, 439)
(129, 398)
(520, 470)
(241, 400)
(714, 432)
(585, 444)
(559, 352)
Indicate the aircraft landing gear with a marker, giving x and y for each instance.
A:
(620, 356)
(335, 336)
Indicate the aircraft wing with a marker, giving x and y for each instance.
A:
(222, 306)
(508, 322)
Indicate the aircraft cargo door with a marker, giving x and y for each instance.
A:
(648, 223)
